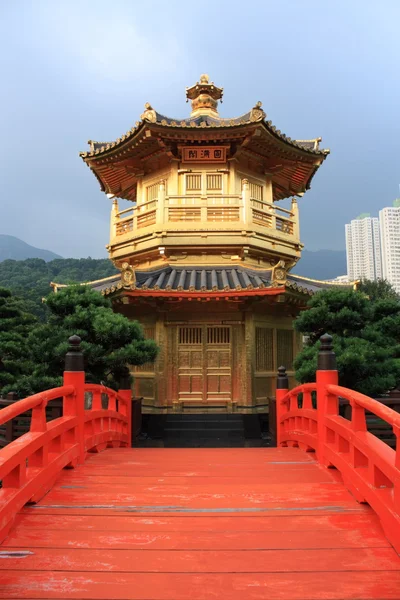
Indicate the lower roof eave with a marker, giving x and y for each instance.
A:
(276, 291)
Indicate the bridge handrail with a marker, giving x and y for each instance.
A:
(30, 464)
(100, 388)
(370, 469)
(374, 406)
(37, 400)
(300, 389)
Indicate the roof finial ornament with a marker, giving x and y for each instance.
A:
(149, 113)
(257, 113)
(204, 96)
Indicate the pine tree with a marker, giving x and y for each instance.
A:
(378, 290)
(15, 324)
(110, 341)
(366, 337)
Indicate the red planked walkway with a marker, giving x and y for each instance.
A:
(193, 524)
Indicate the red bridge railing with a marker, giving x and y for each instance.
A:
(30, 464)
(308, 417)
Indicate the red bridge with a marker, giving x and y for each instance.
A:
(316, 517)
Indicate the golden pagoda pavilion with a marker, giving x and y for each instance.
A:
(205, 251)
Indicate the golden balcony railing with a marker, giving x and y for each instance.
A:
(177, 212)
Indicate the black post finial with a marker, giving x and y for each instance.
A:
(282, 382)
(74, 356)
(124, 382)
(326, 355)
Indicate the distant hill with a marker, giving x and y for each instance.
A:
(13, 248)
(31, 278)
(321, 264)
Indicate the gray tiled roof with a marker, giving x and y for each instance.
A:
(210, 279)
(197, 279)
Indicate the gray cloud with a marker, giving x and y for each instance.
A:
(73, 71)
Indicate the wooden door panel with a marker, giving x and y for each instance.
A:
(196, 384)
(218, 363)
(225, 359)
(225, 384)
(184, 384)
(196, 360)
(183, 359)
(212, 384)
(212, 359)
(204, 364)
(190, 364)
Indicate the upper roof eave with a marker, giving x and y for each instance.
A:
(153, 120)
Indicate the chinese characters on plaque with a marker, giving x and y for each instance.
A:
(204, 154)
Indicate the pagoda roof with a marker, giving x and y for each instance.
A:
(215, 281)
(157, 139)
(118, 164)
(256, 115)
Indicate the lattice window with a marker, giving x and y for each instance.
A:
(193, 182)
(214, 181)
(284, 348)
(256, 191)
(218, 335)
(190, 335)
(152, 192)
(264, 349)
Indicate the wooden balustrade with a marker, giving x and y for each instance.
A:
(224, 208)
(30, 464)
(308, 417)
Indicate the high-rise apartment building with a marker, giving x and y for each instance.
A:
(389, 219)
(363, 248)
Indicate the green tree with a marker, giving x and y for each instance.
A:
(15, 324)
(110, 341)
(366, 337)
(378, 290)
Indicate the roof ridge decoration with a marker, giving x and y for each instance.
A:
(55, 285)
(128, 277)
(257, 113)
(279, 274)
(353, 283)
(149, 114)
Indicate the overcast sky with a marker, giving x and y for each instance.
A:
(73, 70)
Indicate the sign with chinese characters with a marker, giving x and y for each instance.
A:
(203, 154)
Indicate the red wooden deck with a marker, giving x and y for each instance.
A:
(178, 524)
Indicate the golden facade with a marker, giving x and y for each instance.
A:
(205, 250)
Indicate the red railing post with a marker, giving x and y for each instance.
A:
(282, 388)
(125, 391)
(326, 403)
(74, 405)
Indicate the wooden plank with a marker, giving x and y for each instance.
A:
(259, 480)
(199, 561)
(312, 509)
(215, 523)
(226, 540)
(67, 522)
(200, 497)
(366, 585)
